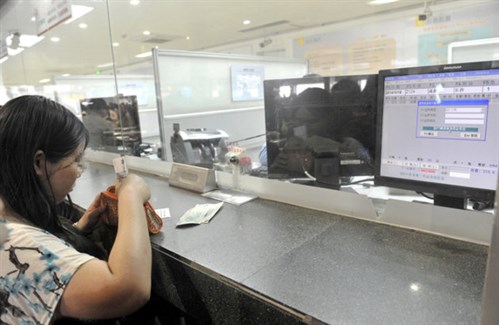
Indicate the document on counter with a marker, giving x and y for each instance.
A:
(230, 196)
(200, 213)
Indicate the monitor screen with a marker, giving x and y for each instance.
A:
(112, 122)
(321, 130)
(438, 131)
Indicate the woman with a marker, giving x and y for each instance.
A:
(48, 268)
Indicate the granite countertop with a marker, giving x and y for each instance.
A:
(335, 269)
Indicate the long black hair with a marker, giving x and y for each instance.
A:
(27, 124)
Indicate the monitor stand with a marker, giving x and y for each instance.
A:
(450, 201)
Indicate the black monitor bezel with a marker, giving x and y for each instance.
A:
(419, 186)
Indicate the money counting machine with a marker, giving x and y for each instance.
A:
(199, 147)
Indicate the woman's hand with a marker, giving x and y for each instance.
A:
(90, 218)
(134, 185)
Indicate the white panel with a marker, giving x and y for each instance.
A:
(200, 82)
(474, 50)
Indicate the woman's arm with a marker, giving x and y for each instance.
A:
(115, 288)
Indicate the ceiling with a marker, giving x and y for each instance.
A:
(207, 23)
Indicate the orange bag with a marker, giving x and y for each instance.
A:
(109, 198)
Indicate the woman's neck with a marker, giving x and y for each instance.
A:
(2, 207)
(11, 215)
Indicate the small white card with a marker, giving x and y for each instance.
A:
(120, 167)
(163, 213)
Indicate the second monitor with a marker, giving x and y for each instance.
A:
(321, 130)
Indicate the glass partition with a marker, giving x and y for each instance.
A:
(55, 57)
(96, 58)
(216, 101)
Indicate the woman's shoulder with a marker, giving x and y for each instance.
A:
(26, 237)
(19, 232)
(35, 267)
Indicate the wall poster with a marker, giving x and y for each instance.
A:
(247, 82)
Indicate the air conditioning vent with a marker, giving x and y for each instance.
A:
(155, 38)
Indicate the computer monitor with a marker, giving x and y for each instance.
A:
(320, 130)
(112, 122)
(438, 131)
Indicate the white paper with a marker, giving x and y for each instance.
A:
(230, 196)
(200, 213)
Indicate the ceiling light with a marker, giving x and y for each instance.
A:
(33, 18)
(13, 52)
(146, 32)
(144, 55)
(105, 65)
(381, 2)
(246, 22)
(55, 39)
(43, 81)
(65, 75)
(116, 44)
(134, 2)
(83, 25)
(29, 40)
(78, 11)
(16, 40)
(187, 37)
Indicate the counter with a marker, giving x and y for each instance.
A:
(267, 262)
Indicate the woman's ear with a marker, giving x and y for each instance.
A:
(39, 162)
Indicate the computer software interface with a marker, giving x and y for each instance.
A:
(442, 128)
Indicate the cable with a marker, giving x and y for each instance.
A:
(426, 195)
(480, 205)
(309, 175)
(359, 181)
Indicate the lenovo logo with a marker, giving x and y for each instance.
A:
(453, 67)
